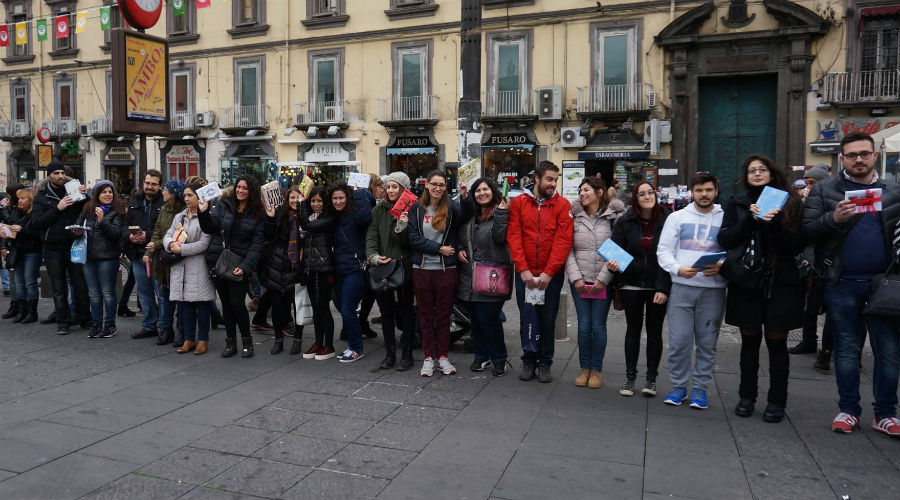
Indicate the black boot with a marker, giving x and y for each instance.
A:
(32, 316)
(166, 336)
(390, 356)
(823, 360)
(804, 347)
(178, 338)
(367, 331)
(295, 347)
(247, 352)
(49, 320)
(216, 320)
(13, 310)
(230, 348)
(124, 311)
(774, 413)
(406, 359)
(278, 346)
(23, 311)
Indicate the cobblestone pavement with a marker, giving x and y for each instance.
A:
(122, 418)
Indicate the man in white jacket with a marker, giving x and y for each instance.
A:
(697, 301)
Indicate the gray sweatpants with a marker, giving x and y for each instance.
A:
(695, 315)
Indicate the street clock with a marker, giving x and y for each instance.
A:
(141, 13)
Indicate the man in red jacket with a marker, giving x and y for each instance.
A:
(540, 238)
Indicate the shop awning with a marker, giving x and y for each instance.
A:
(529, 147)
(615, 154)
(411, 151)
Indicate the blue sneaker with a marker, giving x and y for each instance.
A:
(698, 399)
(349, 356)
(676, 397)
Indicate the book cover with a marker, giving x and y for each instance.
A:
(609, 250)
(708, 260)
(770, 199)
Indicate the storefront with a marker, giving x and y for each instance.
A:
(325, 160)
(247, 157)
(415, 156)
(120, 167)
(70, 155)
(510, 155)
(181, 160)
(22, 165)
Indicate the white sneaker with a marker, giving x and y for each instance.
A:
(428, 367)
(446, 367)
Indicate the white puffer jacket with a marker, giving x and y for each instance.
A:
(589, 234)
(189, 279)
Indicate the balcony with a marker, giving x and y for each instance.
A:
(507, 106)
(325, 113)
(605, 101)
(183, 122)
(100, 125)
(241, 118)
(862, 88)
(15, 130)
(411, 111)
(62, 128)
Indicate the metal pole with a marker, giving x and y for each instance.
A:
(469, 110)
(142, 158)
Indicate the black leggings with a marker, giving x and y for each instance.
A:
(397, 307)
(635, 302)
(779, 365)
(319, 286)
(234, 309)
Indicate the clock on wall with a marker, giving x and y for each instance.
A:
(141, 13)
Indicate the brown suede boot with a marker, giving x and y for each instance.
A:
(187, 346)
(582, 379)
(596, 380)
(202, 345)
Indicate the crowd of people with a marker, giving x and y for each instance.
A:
(761, 268)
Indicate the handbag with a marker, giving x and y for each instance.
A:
(884, 294)
(489, 278)
(303, 310)
(78, 252)
(227, 262)
(167, 257)
(743, 265)
(387, 277)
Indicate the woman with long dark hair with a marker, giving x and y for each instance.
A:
(26, 261)
(643, 286)
(433, 229)
(236, 223)
(319, 221)
(765, 293)
(102, 218)
(482, 242)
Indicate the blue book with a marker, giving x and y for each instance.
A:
(770, 199)
(708, 260)
(610, 251)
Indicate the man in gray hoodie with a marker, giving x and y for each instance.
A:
(697, 301)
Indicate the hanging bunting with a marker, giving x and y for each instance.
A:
(21, 33)
(4, 35)
(41, 27)
(104, 18)
(201, 4)
(80, 21)
(178, 7)
(62, 26)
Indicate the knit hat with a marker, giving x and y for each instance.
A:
(176, 188)
(100, 185)
(58, 165)
(817, 172)
(398, 177)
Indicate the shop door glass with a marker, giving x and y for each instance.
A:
(737, 119)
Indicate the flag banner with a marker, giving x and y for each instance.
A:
(80, 21)
(41, 27)
(62, 26)
(203, 3)
(4, 35)
(178, 7)
(104, 18)
(21, 33)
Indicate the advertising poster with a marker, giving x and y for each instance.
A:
(145, 79)
(572, 173)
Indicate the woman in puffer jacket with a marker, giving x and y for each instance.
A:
(319, 221)
(189, 281)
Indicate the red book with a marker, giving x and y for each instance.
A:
(404, 203)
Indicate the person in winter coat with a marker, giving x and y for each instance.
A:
(768, 297)
(189, 280)
(644, 286)
(482, 241)
(141, 214)
(173, 203)
(26, 256)
(354, 213)
(376, 187)
(588, 277)
(235, 223)
(279, 270)
(102, 218)
(387, 242)
(319, 221)
(8, 207)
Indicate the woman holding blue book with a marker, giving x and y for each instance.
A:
(765, 293)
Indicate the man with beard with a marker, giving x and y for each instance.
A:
(697, 300)
(143, 210)
(851, 248)
(540, 238)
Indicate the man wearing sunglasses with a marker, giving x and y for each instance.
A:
(851, 248)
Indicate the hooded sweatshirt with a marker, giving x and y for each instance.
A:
(686, 236)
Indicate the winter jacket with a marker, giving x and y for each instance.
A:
(686, 236)
(350, 235)
(778, 302)
(459, 214)
(588, 234)
(163, 222)
(133, 218)
(28, 240)
(104, 238)
(318, 242)
(52, 222)
(819, 226)
(246, 240)
(276, 272)
(539, 235)
(384, 241)
(483, 242)
(189, 278)
(644, 270)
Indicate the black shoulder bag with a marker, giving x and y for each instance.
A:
(884, 294)
(167, 257)
(227, 262)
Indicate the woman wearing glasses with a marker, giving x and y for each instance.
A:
(433, 227)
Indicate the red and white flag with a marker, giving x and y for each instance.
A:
(4, 35)
(62, 26)
(203, 3)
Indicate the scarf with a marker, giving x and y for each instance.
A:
(105, 208)
(294, 241)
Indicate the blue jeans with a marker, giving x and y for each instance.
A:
(487, 331)
(100, 276)
(196, 319)
(4, 278)
(148, 289)
(348, 292)
(547, 314)
(592, 315)
(165, 307)
(27, 268)
(845, 303)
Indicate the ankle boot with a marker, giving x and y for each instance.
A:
(216, 319)
(823, 360)
(295, 347)
(165, 337)
(125, 312)
(23, 311)
(202, 346)
(230, 348)
(277, 347)
(406, 359)
(178, 338)
(32, 316)
(187, 346)
(49, 320)
(13, 310)
(390, 357)
(247, 351)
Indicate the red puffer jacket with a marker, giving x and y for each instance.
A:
(539, 236)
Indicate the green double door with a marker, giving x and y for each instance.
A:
(737, 119)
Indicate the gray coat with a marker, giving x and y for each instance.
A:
(189, 279)
(486, 242)
(588, 234)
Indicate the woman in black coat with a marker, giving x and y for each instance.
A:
(25, 256)
(236, 222)
(643, 286)
(319, 222)
(764, 292)
(279, 269)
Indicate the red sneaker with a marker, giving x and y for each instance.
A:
(325, 353)
(845, 422)
(312, 351)
(887, 425)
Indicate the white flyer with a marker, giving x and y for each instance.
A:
(359, 180)
(469, 172)
(271, 194)
(209, 192)
(73, 190)
(535, 295)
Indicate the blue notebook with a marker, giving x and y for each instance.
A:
(770, 199)
(708, 260)
(610, 251)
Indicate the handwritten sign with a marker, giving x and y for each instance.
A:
(359, 180)
(469, 172)
(271, 194)
(209, 192)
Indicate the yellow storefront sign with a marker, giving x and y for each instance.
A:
(145, 78)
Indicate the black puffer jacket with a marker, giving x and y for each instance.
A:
(49, 220)
(29, 238)
(133, 218)
(644, 270)
(104, 238)
(317, 244)
(275, 271)
(246, 240)
(483, 242)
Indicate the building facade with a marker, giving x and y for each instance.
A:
(654, 89)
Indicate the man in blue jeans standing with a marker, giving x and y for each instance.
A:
(851, 248)
(143, 211)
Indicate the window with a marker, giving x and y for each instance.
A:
(411, 80)
(65, 98)
(324, 81)
(325, 13)
(880, 41)
(20, 105)
(326, 69)
(324, 7)
(115, 21)
(406, 9)
(248, 81)
(182, 29)
(247, 11)
(615, 68)
(63, 47)
(508, 74)
(248, 18)
(249, 94)
(183, 170)
(16, 48)
(181, 94)
(615, 57)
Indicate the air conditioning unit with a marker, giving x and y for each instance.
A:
(50, 124)
(300, 119)
(665, 131)
(4, 130)
(67, 127)
(21, 129)
(571, 137)
(651, 100)
(549, 103)
(206, 119)
(84, 129)
(97, 126)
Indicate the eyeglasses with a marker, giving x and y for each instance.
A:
(435, 185)
(865, 155)
(760, 170)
